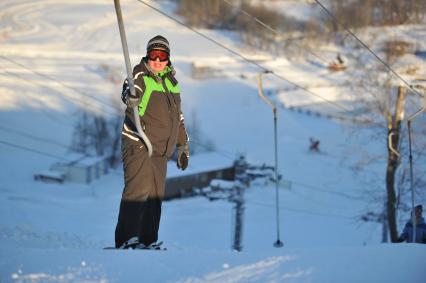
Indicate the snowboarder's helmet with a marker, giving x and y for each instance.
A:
(159, 43)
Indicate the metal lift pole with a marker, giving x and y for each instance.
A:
(411, 118)
(130, 75)
(278, 242)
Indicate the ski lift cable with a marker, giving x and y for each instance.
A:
(298, 210)
(264, 69)
(410, 119)
(59, 82)
(319, 189)
(317, 201)
(223, 153)
(24, 134)
(227, 154)
(335, 20)
(26, 148)
(268, 27)
(32, 150)
(205, 36)
(62, 122)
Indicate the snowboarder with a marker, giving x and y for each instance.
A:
(407, 234)
(338, 64)
(159, 103)
(340, 59)
(314, 144)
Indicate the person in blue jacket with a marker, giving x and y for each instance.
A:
(408, 232)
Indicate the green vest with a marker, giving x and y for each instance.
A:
(151, 85)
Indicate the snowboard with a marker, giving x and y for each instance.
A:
(135, 245)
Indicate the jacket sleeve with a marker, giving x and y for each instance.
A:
(404, 234)
(422, 229)
(138, 74)
(182, 134)
(182, 137)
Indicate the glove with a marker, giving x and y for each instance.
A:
(183, 156)
(126, 97)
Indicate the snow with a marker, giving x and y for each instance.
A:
(51, 54)
(222, 184)
(382, 264)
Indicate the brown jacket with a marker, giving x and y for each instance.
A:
(159, 110)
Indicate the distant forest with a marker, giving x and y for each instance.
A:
(224, 14)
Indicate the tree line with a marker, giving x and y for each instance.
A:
(363, 13)
(218, 14)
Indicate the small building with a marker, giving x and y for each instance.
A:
(203, 72)
(202, 169)
(81, 169)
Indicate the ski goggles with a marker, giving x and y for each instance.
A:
(160, 54)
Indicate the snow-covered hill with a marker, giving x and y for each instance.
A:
(58, 57)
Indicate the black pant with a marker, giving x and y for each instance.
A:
(144, 185)
(138, 219)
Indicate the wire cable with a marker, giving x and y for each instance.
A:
(206, 37)
(318, 189)
(85, 94)
(32, 150)
(227, 154)
(333, 17)
(268, 27)
(23, 134)
(264, 69)
(248, 202)
(64, 122)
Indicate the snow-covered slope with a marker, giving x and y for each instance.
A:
(58, 57)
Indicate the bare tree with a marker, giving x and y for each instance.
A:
(96, 135)
(198, 141)
(115, 127)
(393, 122)
(385, 103)
(218, 14)
(362, 13)
(81, 136)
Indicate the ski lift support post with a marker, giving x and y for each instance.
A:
(140, 132)
(278, 243)
(411, 118)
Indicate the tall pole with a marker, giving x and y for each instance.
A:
(130, 76)
(278, 242)
(413, 214)
(411, 118)
(240, 185)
